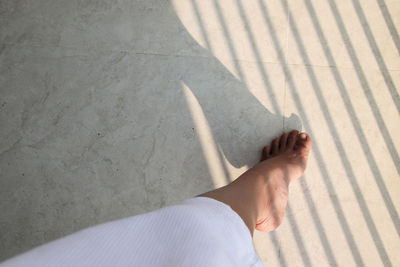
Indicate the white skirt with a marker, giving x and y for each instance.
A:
(198, 232)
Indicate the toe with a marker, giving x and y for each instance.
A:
(303, 142)
(266, 153)
(275, 146)
(292, 139)
(282, 142)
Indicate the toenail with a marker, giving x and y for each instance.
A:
(303, 136)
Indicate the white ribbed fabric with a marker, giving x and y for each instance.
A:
(198, 232)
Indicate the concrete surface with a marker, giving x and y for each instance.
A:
(114, 108)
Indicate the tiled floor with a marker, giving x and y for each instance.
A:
(114, 108)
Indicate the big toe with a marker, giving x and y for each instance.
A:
(303, 143)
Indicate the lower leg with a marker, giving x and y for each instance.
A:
(260, 194)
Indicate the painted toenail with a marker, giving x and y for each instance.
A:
(303, 136)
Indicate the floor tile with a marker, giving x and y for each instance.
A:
(232, 29)
(351, 183)
(236, 29)
(115, 108)
(347, 34)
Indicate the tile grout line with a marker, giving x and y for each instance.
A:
(129, 51)
(286, 52)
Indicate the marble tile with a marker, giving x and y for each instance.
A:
(346, 205)
(346, 34)
(115, 108)
(236, 29)
(91, 136)
(144, 26)
(233, 29)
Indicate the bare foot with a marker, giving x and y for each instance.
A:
(282, 162)
(260, 194)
